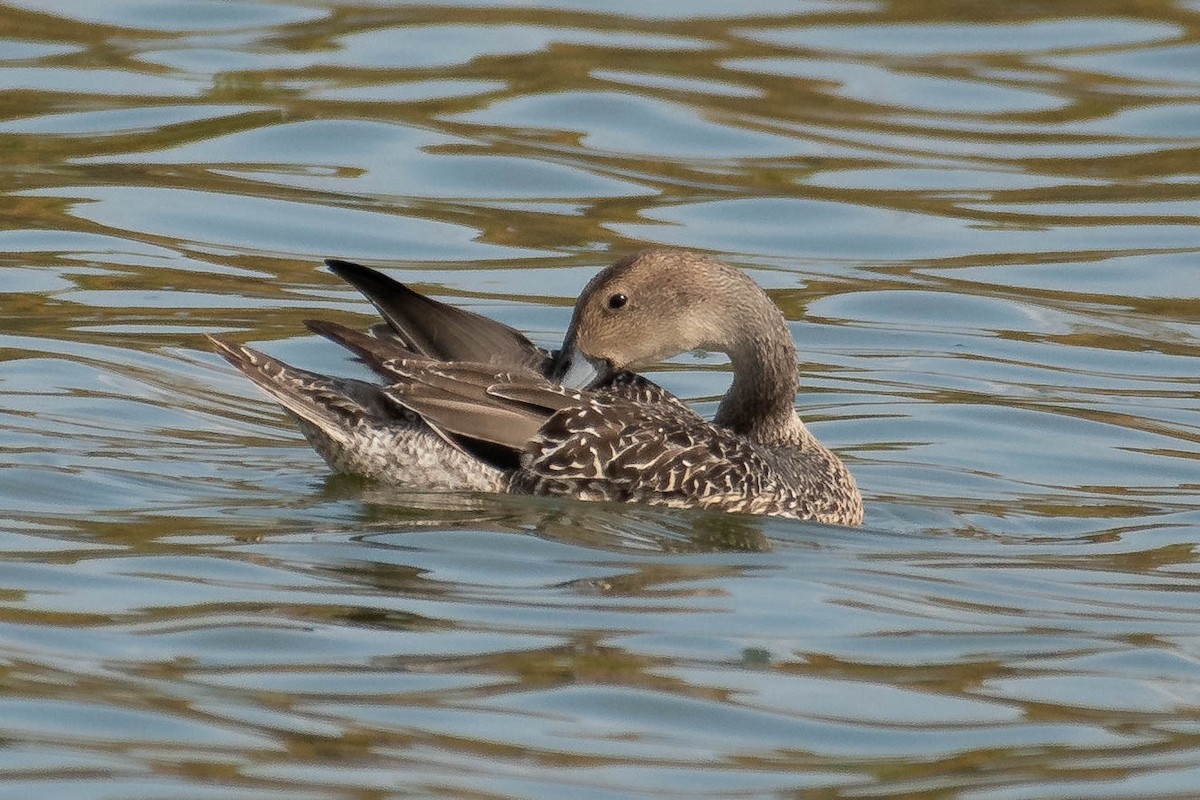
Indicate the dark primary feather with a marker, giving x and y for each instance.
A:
(376, 350)
(373, 351)
(436, 329)
(423, 326)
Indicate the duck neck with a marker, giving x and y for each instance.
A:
(760, 404)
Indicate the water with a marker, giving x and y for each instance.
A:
(982, 222)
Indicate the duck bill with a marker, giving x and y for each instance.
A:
(574, 369)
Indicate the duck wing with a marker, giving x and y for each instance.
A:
(475, 402)
(419, 325)
(437, 330)
(375, 350)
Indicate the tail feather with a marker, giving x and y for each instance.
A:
(329, 403)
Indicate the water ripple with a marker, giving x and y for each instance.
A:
(981, 228)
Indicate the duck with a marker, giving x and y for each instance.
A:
(468, 404)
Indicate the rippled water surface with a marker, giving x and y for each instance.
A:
(982, 221)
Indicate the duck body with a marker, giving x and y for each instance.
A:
(607, 448)
(470, 404)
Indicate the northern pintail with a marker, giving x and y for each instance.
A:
(470, 404)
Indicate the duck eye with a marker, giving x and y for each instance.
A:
(617, 301)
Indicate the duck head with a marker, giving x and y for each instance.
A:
(653, 305)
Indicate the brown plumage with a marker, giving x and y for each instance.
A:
(470, 404)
